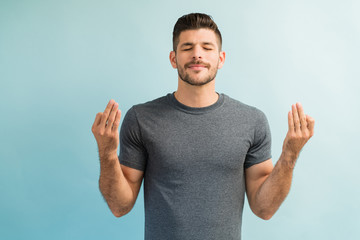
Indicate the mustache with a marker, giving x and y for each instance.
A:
(197, 63)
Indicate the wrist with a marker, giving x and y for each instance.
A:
(108, 155)
(108, 163)
(106, 150)
(289, 158)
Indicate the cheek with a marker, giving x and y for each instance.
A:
(213, 57)
(179, 60)
(214, 61)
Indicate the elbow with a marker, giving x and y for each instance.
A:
(120, 212)
(117, 215)
(118, 205)
(264, 214)
(263, 211)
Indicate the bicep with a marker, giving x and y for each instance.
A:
(134, 177)
(255, 177)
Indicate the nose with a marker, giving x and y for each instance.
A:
(197, 53)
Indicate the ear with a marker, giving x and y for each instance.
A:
(172, 58)
(221, 59)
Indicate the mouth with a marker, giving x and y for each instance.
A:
(197, 66)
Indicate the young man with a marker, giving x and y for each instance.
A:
(198, 151)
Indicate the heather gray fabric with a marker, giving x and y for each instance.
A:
(194, 161)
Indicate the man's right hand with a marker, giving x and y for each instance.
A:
(105, 129)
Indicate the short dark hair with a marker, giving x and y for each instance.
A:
(194, 21)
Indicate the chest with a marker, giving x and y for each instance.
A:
(180, 144)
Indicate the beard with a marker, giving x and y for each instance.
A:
(197, 82)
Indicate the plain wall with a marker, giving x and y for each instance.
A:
(62, 61)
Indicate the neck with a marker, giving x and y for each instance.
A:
(196, 96)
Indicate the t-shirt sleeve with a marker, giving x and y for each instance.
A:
(132, 151)
(260, 149)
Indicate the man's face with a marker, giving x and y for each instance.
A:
(197, 57)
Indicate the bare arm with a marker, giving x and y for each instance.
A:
(118, 184)
(267, 186)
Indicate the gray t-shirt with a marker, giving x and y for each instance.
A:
(193, 161)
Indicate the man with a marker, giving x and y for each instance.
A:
(198, 151)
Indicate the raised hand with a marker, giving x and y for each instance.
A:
(105, 129)
(301, 129)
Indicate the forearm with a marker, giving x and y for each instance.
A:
(114, 186)
(275, 188)
(267, 186)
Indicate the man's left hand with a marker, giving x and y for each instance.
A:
(301, 129)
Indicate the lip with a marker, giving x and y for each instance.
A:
(197, 67)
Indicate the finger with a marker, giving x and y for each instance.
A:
(291, 121)
(296, 118)
(112, 115)
(302, 116)
(311, 124)
(106, 113)
(96, 122)
(97, 119)
(117, 121)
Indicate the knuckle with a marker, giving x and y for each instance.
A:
(292, 135)
(107, 132)
(95, 129)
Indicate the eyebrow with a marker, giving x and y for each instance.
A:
(191, 44)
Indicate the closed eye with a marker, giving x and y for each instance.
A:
(208, 49)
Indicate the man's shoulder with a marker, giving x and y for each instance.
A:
(237, 105)
(153, 106)
(152, 103)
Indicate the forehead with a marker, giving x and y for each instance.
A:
(197, 36)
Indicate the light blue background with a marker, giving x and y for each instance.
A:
(62, 61)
